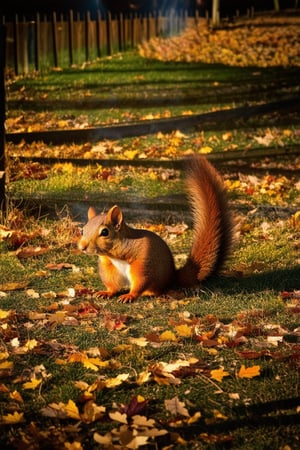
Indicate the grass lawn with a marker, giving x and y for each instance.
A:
(206, 368)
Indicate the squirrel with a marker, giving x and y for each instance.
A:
(141, 261)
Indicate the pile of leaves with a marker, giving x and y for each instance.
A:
(259, 43)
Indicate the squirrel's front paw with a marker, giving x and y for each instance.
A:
(103, 294)
(126, 298)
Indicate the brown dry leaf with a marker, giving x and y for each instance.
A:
(59, 266)
(176, 407)
(28, 252)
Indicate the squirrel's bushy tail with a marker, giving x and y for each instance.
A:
(213, 223)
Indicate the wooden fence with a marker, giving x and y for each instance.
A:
(58, 41)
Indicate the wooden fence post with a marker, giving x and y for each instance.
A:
(71, 36)
(98, 33)
(120, 32)
(87, 33)
(2, 118)
(108, 33)
(54, 39)
(16, 44)
(37, 36)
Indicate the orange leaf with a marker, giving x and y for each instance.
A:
(249, 372)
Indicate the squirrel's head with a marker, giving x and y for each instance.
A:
(101, 232)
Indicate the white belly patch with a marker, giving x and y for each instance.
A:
(123, 268)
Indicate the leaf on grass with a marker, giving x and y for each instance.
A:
(184, 330)
(6, 365)
(28, 252)
(219, 374)
(140, 342)
(92, 412)
(75, 445)
(118, 417)
(113, 382)
(248, 372)
(137, 441)
(168, 336)
(4, 355)
(14, 286)
(56, 410)
(176, 407)
(32, 384)
(72, 410)
(105, 439)
(142, 421)
(11, 419)
(143, 377)
(59, 266)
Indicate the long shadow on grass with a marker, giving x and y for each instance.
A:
(272, 280)
(253, 416)
(160, 98)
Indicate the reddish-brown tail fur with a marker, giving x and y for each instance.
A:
(213, 223)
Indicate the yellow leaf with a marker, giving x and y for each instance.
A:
(30, 344)
(13, 286)
(141, 341)
(16, 396)
(227, 136)
(168, 336)
(10, 419)
(113, 382)
(6, 365)
(73, 445)
(32, 384)
(72, 410)
(4, 355)
(249, 372)
(194, 418)
(205, 149)
(92, 412)
(184, 330)
(219, 415)
(98, 362)
(219, 374)
(143, 377)
(130, 154)
(4, 314)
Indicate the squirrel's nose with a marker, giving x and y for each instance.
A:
(82, 245)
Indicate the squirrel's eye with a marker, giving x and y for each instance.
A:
(104, 232)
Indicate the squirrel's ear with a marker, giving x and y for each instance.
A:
(115, 216)
(91, 212)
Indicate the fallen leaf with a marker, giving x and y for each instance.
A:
(118, 417)
(11, 419)
(219, 374)
(248, 372)
(176, 407)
